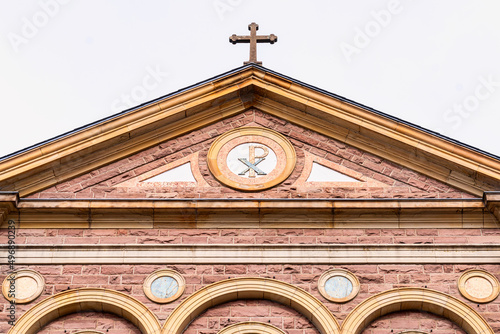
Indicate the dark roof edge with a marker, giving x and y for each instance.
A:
(126, 111)
(322, 91)
(393, 118)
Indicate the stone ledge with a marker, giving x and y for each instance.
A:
(254, 254)
(254, 213)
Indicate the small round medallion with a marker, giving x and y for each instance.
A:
(338, 285)
(251, 158)
(164, 286)
(478, 286)
(23, 286)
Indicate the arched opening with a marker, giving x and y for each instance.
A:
(251, 327)
(89, 322)
(426, 300)
(87, 299)
(251, 288)
(412, 322)
(265, 311)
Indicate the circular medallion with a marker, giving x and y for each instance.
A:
(478, 286)
(338, 285)
(164, 286)
(23, 286)
(251, 158)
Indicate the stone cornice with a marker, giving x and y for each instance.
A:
(492, 203)
(255, 254)
(253, 213)
(8, 203)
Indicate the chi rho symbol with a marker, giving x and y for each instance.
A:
(253, 161)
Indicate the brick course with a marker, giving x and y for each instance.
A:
(104, 183)
(254, 236)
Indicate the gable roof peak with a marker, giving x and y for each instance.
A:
(233, 92)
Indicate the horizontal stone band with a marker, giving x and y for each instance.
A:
(254, 254)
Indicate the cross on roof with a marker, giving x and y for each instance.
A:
(253, 39)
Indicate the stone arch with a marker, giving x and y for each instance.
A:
(251, 288)
(415, 299)
(87, 299)
(251, 327)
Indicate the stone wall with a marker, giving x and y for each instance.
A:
(373, 278)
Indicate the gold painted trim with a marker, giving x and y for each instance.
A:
(242, 184)
(483, 274)
(181, 282)
(252, 213)
(392, 140)
(251, 327)
(426, 300)
(251, 288)
(391, 203)
(343, 273)
(40, 281)
(93, 299)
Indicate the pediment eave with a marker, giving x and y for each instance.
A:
(251, 86)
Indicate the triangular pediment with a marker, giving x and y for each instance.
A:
(136, 176)
(190, 118)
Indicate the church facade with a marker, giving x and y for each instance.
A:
(250, 203)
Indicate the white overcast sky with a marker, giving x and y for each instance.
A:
(64, 64)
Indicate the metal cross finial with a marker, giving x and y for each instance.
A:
(253, 39)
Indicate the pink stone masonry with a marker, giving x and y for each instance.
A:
(373, 278)
(254, 236)
(412, 320)
(102, 322)
(396, 181)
